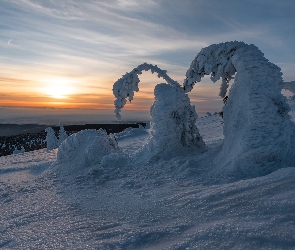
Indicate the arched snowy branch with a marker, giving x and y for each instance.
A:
(216, 60)
(124, 88)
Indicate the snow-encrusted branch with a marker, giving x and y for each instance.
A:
(215, 60)
(124, 87)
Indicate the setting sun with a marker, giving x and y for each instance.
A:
(59, 88)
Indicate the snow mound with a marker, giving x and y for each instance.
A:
(84, 149)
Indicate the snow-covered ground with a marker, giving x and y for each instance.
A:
(123, 204)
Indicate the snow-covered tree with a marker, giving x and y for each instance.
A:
(258, 132)
(51, 139)
(62, 134)
(173, 123)
(173, 119)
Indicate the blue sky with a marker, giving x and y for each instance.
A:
(81, 48)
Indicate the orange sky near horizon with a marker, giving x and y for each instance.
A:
(62, 92)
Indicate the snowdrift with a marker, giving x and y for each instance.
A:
(82, 150)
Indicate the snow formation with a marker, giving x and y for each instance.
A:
(173, 124)
(173, 119)
(124, 88)
(51, 140)
(258, 132)
(84, 149)
(62, 134)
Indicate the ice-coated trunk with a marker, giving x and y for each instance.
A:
(258, 131)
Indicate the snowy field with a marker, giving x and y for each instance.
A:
(125, 204)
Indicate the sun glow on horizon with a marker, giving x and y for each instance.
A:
(59, 88)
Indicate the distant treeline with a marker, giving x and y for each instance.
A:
(35, 141)
(28, 142)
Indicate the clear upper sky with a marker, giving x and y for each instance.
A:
(68, 53)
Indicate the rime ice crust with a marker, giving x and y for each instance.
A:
(259, 134)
